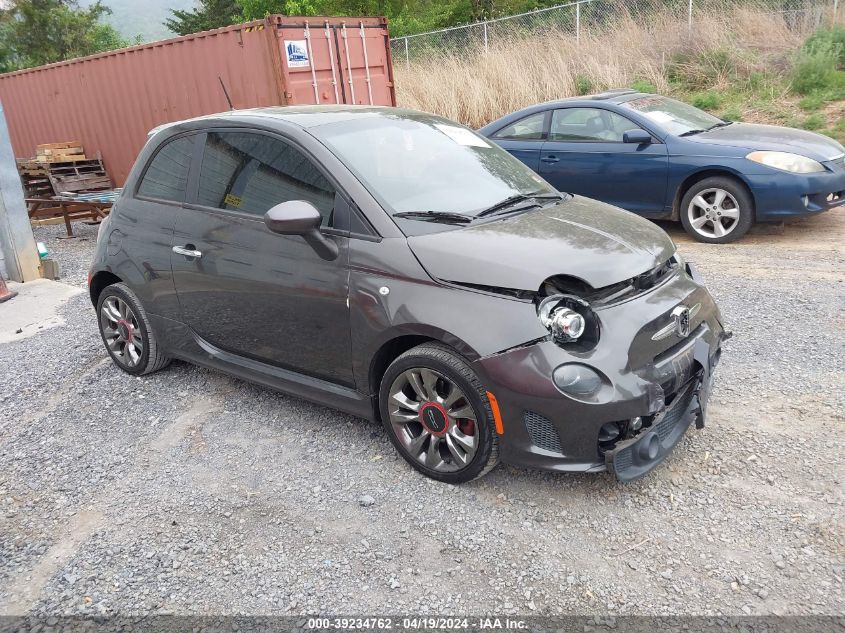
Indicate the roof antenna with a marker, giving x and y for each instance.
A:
(225, 92)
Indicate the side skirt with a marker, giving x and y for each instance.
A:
(183, 343)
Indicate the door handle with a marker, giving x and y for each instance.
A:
(550, 159)
(187, 252)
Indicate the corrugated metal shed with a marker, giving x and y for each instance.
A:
(110, 101)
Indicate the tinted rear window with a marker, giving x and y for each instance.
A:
(166, 176)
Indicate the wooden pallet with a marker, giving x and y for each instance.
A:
(44, 179)
(59, 152)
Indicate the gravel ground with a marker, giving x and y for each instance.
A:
(192, 492)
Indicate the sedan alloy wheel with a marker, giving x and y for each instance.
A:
(714, 213)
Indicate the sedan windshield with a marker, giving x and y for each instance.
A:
(673, 116)
(422, 167)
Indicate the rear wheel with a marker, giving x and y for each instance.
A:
(717, 210)
(127, 333)
(437, 415)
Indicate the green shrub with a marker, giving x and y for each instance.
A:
(642, 85)
(832, 38)
(583, 85)
(707, 100)
(815, 69)
(814, 122)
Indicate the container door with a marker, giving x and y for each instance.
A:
(309, 64)
(336, 63)
(365, 63)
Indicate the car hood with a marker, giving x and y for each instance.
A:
(595, 242)
(774, 138)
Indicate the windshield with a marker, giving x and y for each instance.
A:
(421, 163)
(673, 116)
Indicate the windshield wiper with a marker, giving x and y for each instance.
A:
(691, 132)
(719, 124)
(520, 197)
(435, 216)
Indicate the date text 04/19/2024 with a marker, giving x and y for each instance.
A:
(417, 623)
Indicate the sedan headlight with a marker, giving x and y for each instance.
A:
(786, 161)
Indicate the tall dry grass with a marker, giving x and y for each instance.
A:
(476, 87)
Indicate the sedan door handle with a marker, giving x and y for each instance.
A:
(550, 159)
(187, 252)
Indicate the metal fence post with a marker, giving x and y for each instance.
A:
(578, 23)
(486, 47)
(689, 18)
(407, 56)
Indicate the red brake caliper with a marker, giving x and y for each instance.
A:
(466, 426)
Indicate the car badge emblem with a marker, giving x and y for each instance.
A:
(682, 317)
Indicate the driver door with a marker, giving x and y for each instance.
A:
(585, 154)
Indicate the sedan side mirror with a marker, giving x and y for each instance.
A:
(637, 136)
(299, 217)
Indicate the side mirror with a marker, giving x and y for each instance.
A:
(637, 136)
(298, 217)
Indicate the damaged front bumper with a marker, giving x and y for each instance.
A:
(655, 389)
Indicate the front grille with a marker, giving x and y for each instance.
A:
(542, 432)
(674, 413)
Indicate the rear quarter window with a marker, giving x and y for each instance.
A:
(166, 175)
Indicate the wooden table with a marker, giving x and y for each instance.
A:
(40, 208)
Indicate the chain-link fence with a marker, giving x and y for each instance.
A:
(584, 17)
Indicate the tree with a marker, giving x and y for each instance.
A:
(210, 14)
(36, 32)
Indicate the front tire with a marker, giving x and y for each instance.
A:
(437, 415)
(717, 210)
(127, 333)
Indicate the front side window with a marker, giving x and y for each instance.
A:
(166, 176)
(589, 125)
(251, 173)
(529, 128)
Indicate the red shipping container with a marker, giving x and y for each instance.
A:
(110, 101)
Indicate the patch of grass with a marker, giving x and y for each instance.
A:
(642, 85)
(811, 102)
(732, 114)
(814, 122)
(583, 85)
(709, 100)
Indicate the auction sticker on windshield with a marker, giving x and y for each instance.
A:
(461, 136)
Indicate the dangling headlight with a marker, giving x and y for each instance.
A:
(568, 319)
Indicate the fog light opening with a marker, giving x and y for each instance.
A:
(609, 433)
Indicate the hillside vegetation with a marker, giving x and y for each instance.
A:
(741, 63)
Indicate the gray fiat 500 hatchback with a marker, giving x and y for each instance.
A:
(397, 266)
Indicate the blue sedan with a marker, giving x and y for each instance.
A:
(664, 159)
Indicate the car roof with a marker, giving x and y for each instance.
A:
(302, 116)
(610, 96)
